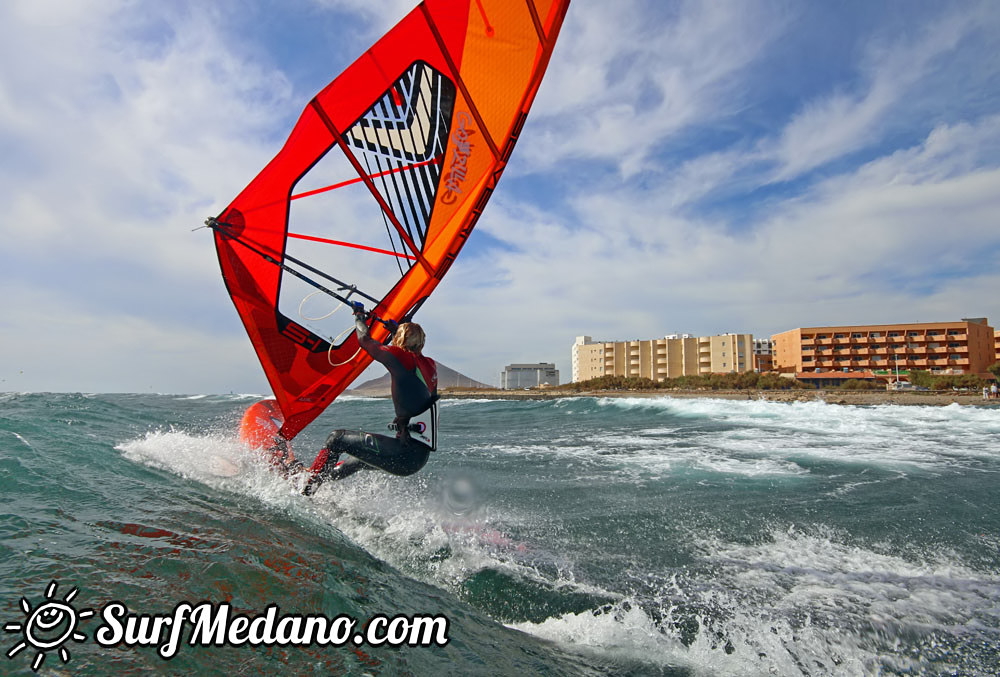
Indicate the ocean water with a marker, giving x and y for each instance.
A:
(565, 537)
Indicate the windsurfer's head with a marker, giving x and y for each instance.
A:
(409, 336)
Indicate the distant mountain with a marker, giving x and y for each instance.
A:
(447, 378)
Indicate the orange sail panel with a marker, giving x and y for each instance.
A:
(378, 187)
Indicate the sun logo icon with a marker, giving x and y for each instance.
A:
(49, 626)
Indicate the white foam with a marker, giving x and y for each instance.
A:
(404, 521)
(624, 631)
(743, 645)
(888, 435)
(797, 604)
(464, 402)
(410, 524)
(649, 454)
(218, 461)
(822, 559)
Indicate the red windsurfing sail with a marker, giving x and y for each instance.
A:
(378, 187)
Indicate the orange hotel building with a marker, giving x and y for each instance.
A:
(967, 346)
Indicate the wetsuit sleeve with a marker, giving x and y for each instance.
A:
(378, 351)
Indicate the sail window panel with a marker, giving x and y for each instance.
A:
(353, 243)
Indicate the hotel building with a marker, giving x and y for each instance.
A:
(967, 346)
(660, 359)
(528, 375)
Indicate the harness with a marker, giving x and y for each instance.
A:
(423, 427)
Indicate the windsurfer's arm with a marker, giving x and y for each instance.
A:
(370, 345)
(401, 393)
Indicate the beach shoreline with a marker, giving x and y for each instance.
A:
(830, 396)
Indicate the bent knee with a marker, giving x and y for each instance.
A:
(414, 463)
(335, 441)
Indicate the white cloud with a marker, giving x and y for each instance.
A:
(131, 125)
(625, 77)
(892, 85)
(137, 143)
(842, 122)
(52, 345)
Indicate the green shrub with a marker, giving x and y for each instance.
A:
(859, 384)
(732, 381)
(949, 381)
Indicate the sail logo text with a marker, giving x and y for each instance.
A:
(459, 158)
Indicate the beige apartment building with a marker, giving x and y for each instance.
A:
(967, 346)
(660, 359)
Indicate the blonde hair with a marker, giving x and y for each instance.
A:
(409, 336)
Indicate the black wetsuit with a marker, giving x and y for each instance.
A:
(399, 455)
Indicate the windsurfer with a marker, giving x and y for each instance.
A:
(414, 391)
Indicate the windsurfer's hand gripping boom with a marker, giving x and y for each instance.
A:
(360, 313)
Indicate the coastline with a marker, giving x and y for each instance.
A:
(847, 397)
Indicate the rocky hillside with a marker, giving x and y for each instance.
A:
(447, 378)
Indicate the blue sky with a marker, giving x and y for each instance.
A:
(688, 167)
